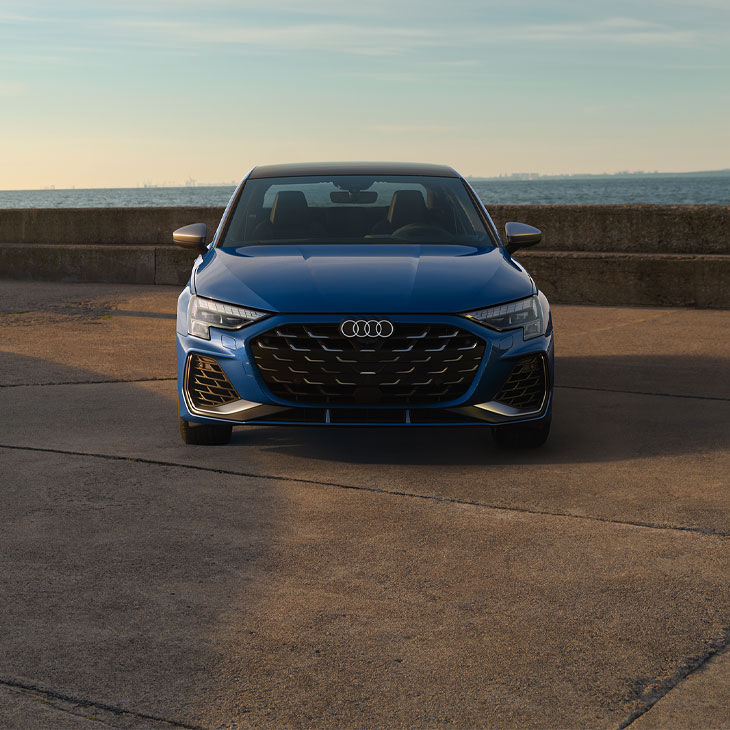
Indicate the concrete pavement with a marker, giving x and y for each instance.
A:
(303, 577)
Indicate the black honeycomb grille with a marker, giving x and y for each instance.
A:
(525, 385)
(417, 364)
(207, 384)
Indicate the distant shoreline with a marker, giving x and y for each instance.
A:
(656, 189)
(531, 176)
(515, 176)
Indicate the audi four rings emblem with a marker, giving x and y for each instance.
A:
(366, 328)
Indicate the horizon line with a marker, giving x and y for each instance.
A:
(513, 176)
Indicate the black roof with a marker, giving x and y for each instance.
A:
(302, 169)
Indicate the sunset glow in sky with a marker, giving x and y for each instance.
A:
(97, 94)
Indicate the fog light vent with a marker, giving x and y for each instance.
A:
(525, 385)
(207, 384)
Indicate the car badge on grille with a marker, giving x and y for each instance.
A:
(367, 328)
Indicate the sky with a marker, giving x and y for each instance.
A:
(125, 93)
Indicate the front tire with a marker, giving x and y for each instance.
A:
(522, 436)
(205, 434)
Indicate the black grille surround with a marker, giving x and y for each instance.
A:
(206, 384)
(418, 364)
(525, 386)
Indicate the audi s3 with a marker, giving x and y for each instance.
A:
(362, 294)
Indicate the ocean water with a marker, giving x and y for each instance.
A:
(670, 190)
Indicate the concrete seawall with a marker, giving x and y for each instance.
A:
(592, 254)
(101, 226)
(622, 228)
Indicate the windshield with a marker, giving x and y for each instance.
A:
(355, 209)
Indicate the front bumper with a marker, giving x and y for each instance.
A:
(477, 405)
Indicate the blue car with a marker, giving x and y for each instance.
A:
(362, 294)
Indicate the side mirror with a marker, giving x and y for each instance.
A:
(192, 236)
(520, 235)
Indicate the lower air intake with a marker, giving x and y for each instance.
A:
(525, 386)
(207, 384)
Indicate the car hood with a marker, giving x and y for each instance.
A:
(361, 279)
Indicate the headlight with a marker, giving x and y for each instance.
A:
(206, 313)
(531, 314)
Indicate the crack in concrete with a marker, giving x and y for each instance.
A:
(373, 490)
(618, 325)
(688, 666)
(83, 382)
(140, 313)
(644, 392)
(80, 702)
(94, 312)
(569, 387)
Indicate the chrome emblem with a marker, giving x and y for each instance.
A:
(366, 328)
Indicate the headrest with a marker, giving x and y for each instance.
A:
(407, 206)
(432, 199)
(289, 209)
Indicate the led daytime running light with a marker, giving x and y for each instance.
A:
(530, 314)
(206, 313)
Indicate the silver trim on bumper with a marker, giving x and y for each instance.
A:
(492, 412)
(496, 412)
(239, 410)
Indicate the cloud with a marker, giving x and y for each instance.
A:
(624, 23)
(603, 30)
(377, 39)
(712, 4)
(460, 63)
(13, 18)
(332, 26)
(10, 88)
(340, 37)
(411, 128)
(596, 109)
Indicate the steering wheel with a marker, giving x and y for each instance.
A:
(420, 230)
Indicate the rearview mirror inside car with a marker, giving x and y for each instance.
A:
(354, 197)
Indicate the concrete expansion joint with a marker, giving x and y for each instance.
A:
(643, 392)
(374, 490)
(60, 701)
(568, 387)
(83, 382)
(687, 667)
(92, 312)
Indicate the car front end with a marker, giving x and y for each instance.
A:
(429, 370)
(351, 335)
